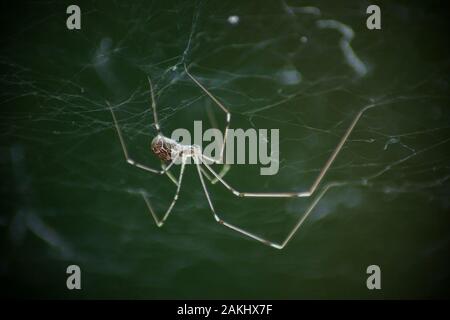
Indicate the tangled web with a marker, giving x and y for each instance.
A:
(306, 70)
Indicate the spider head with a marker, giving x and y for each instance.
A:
(164, 148)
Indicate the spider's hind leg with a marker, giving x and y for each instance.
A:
(229, 225)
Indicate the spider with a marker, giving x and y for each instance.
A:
(170, 151)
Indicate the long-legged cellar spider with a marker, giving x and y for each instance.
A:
(170, 151)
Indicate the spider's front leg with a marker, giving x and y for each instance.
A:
(313, 188)
(130, 160)
(225, 168)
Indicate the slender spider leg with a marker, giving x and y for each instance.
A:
(231, 226)
(158, 128)
(169, 174)
(125, 150)
(254, 236)
(155, 114)
(224, 170)
(221, 106)
(207, 176)
(159, 222)
(316, 182)
(226, 167)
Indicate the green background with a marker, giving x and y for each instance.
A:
(68, 197)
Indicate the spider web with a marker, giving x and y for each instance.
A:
(304, 68)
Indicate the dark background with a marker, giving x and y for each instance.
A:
(68, 197)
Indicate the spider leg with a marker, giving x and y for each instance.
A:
(229, 225)
(169, 174)
(221, 106)
(125, 149)
(316, 182)
(259, 238)
(207, 176)
(224, 170)
(254, 236)
(225, 167)
(160, 222)
(155, 113)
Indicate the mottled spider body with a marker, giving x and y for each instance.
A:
(165, 149)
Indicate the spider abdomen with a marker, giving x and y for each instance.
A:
(164, 148)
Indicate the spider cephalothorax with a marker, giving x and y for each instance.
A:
(164, 148)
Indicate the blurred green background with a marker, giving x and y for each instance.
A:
(68, 197)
